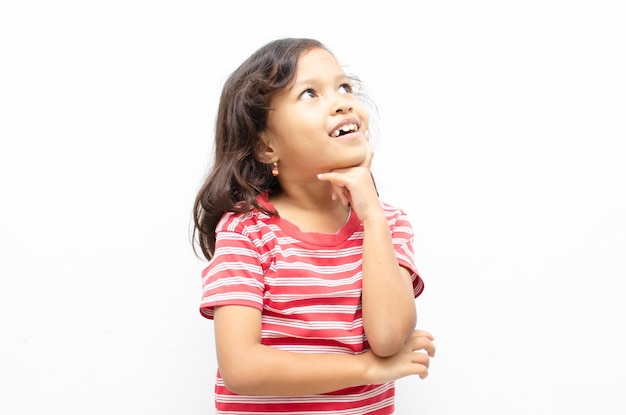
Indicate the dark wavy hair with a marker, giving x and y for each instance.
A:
(237, 176)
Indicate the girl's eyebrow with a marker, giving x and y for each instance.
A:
(312, 81)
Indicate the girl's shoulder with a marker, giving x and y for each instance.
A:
(388, 207)
(393, 212)
(253, 224)
(243, 222)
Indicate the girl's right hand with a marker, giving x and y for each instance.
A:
(412, 359)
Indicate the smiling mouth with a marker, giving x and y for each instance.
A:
(345, 129)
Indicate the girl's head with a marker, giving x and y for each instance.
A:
(244, 107)
(241, 168)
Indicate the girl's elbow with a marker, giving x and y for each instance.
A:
(388, 342)
(385, 348)
(238, 381)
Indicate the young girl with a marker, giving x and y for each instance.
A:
(311, 281)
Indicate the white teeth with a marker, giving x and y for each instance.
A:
(346, 128)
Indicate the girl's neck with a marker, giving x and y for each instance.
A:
(311, 215)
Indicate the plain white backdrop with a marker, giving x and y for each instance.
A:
(502, 129)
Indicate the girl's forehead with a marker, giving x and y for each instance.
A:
(316, 54)
(317, 62)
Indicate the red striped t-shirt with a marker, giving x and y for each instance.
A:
(308, 287)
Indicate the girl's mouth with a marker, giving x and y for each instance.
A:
(345, 129)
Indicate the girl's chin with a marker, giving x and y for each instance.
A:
(346, 164)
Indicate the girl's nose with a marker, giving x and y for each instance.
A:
(342, 107)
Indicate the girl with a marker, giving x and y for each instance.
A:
(311, 281)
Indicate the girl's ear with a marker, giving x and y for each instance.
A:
(265, 152)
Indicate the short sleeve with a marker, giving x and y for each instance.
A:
(402, 238)
(234, 275)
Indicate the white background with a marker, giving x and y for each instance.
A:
(502, 130)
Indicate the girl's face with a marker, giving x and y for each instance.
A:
(316, 124)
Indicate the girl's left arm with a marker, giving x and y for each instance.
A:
(389, 314)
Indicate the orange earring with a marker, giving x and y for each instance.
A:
(275, 169)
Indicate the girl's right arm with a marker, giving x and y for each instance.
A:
(251, 368)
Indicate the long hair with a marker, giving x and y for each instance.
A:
(237, 177)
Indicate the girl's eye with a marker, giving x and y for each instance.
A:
(345, 88)
(307, 94)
